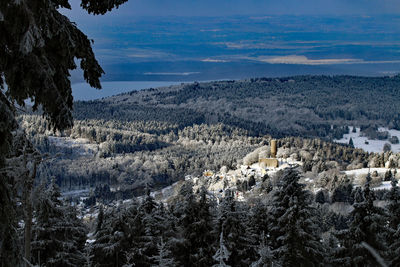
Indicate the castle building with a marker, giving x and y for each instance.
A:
(271, 162)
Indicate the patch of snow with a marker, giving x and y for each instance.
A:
(362, 171)
(80, 146)
(74, 193)
(385, 185)
(375, 146)
(90, 241)
(188, 177)
(127, 201)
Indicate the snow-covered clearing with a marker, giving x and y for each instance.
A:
(75, 193)
(80, 146)
(90, 238)
(373, 145)
(364, 171)
(385, 185)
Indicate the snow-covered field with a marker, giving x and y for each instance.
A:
(364, 171)
(374, 145)
(80, 146)
(385, 185)
(75, 193)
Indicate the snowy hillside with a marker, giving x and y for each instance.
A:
(79, 146)
(369, 145)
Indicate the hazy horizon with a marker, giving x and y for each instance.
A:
(185, 41)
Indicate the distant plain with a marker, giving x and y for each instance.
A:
(237, 47)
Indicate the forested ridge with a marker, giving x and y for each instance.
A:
(295, 106)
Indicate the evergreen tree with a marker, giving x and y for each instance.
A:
(195, 226)
(257, 222)
(163, 258)
(18, 177)
(144, 227)
(222, 254)
(115, 237)
(203, 228)
(388, 175)
(40, 45)
(293, 233)
(111, 243)
(393, 208)
(100, 218)
(153, 228)
(351, 143)
(320, 197)
(38, 48)
(342, 193)
(265, 254)
(230, 222)
(394, 248)
(59, 236)
(367, 225)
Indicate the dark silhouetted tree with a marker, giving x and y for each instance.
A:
(294, 235)
(38, 48)
(58, 235)
(367, 225)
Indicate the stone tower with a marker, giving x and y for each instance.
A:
(273, 148)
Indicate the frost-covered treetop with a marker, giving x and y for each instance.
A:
(38, 48)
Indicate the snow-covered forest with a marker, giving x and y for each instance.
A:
(224, 173)
(130, 219)
(284, 225)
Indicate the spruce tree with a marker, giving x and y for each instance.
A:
(142, 228)
(351, 143)
(265, 254)
(202, 228)
(320, 197)
(38, 48)
(9, 247)
(195, 229)
(231, 222)
(164, 257)
(152, 224)
(113, 239)
(58, 236)
(394, 248)
(393, 207)
(222, 254)
(18, 177)
(100, 218)
(367, 225)
(256, 223)
(293, 233)
(393, 238)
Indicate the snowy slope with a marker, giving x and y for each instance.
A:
(374, 145)
(79, 146)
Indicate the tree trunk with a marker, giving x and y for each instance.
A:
(28, 211)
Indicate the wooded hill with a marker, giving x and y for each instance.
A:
(295, 106)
